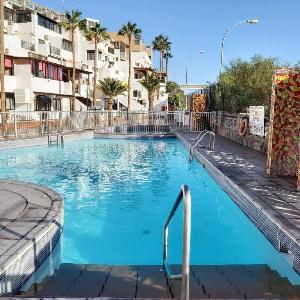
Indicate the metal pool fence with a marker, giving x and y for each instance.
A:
(39, 123)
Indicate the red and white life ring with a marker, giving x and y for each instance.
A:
(244, 127)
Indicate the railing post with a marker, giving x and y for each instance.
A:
(185, 286)
(71, 121)
(59, 121)
(15, 126)
(185, 196)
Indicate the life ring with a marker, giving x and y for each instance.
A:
(244, 127)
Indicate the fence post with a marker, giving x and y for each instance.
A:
(191, 120)
(71, 121)
(15, 126)
(59, 121)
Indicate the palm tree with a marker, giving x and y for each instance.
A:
(96, 34)
(152, 83)
(71, 23)
(131, 31)
(111, 88)
(168, 55)
(162, 44)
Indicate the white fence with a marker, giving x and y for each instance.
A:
(28, 124)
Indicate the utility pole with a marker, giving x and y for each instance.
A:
(2, 67)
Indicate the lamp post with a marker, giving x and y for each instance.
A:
(187, 63)
(251, 21)
(186, 72)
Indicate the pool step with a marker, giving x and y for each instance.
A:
(216, 282)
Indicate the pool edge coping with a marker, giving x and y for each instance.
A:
(29, 252)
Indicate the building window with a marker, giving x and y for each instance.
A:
(46, 70)
(9, 67)
(42, 103)
(90, 55)
(10, 101)
(49, 24)
(56, 104)
(41, 42)
(111, 50)
(27, 45)
(67, 45)
(23, 17)
(54, 51)
(8, 14)
(135, 93)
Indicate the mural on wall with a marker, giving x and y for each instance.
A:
(284, 131)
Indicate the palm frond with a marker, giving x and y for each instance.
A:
(112, 87)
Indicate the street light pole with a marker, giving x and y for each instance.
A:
(186, 72)
(251, 21)
(187, 62)
(2, 62)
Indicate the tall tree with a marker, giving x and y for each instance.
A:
(96, 34)
(168, 55)
(152, 83)
(247, 83)
(176, 97)
(111, 88)
(162, 44)
(131, 31)
(3, 101)
(72, 23)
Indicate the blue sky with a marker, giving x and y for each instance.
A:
(198, 24)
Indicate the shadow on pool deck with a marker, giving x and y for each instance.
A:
(247, 168)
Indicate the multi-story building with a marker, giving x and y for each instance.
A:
(38, 63)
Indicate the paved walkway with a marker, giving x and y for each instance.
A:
(247, 169)
(27, 213)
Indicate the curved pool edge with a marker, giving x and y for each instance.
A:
(30, 228)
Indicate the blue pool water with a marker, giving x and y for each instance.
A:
(118, 194)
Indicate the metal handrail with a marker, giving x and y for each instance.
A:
(198, 136)
(212, 139)
(185, 196)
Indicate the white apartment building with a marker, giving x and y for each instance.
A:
(38, 63)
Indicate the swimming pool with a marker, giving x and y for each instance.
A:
(118, 194)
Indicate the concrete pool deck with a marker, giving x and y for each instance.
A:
(271, 202)
(31, 220)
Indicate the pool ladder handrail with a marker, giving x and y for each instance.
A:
(200, 137)
(185, 196)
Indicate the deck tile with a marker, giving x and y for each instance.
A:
(90, 283)
(196, 290)
(152, 283)
(215, 284)
(121, 282)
